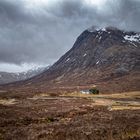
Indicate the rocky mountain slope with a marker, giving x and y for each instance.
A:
(7, 77)
(107, 57)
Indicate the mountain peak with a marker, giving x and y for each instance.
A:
(123, 36)
(99, 56)
(105, 29)
(94, 29)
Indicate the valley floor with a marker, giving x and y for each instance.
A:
(72, 116)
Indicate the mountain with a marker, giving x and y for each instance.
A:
(7, 77)
(106, 57)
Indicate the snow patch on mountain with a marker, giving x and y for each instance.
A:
(97, 62)
(84, 54)
(135, 38)
(133, 44)
(67, 59)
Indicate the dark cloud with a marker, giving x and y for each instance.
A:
(41, 34)
(12, 12)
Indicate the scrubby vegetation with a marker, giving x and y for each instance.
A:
(72, 116)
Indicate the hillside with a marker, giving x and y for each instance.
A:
(107, 57)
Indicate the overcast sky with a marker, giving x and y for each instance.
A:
(38, 32)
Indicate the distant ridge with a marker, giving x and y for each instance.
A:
(9, 77)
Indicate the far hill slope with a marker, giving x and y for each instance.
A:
(9, 77)
(107, 57)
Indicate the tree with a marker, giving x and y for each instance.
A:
(94, 91)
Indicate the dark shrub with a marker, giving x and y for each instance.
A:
(94, 91)
(50, 119)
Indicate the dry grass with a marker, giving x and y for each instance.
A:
(7, 101)
(118, 101)
(75, 114)
(130, 95)
(78, 94)
(39, 96)
(115, 95)
(125, 108)
(112, 100)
